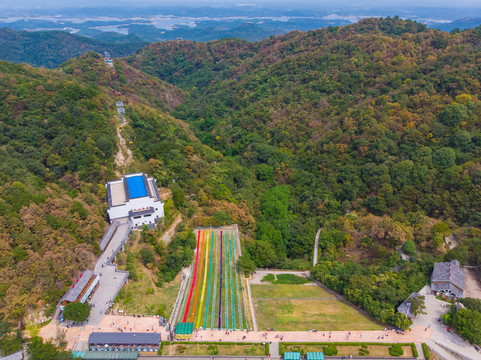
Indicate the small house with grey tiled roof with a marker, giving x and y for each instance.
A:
(406, 306)
(448, 279)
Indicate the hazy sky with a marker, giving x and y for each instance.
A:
(286, 3)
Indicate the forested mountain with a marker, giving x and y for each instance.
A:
(57, 145)
(378, 115)
(371, 131)
(378, 119)
(51, 48)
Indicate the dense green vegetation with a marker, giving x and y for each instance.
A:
(282, 279)
(39, 350)
(57, 145)
(371, 131)
(52, 48)
(379, 119)
(76, 311)
(466, 321)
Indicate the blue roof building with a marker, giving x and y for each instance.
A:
(135, 197)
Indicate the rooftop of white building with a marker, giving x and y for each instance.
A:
(132, 186)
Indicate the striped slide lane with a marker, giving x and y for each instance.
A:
(193, 279)
(231, 282)
(194, 307)
(212, 317)
(220, 283)
(205, 280)
(244, 300)
(210, 279)
(225, 283)
(236, 274)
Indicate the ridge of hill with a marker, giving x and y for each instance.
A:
(376, 115)
(370, 130)
(57, 144)
(52, 48)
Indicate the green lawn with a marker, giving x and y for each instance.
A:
(346, 350)
(304, 307)
(143, 297)
(224, 349)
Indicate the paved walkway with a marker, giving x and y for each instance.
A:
(316, 248)
(274, 350)
(440, 336)
(417, 334)
(186, 272)
(111, 280)
(251, 305)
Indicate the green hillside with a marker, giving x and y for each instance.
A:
(52, 48)
(371, 131)
(378, 120)
(57, 144)
(374, 116)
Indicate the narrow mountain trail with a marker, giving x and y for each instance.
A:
(123, 158)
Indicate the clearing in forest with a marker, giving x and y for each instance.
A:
(305, 307)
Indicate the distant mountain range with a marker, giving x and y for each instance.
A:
(52, 48)
(461, 24)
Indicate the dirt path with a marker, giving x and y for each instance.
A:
(451, 241)
(473, 286)
(123, 158)
(169, 234)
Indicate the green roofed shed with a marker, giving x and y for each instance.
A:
(184, 330)
(292, 356)
(119, 355)
(315, 356)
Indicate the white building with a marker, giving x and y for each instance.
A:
(135, 197)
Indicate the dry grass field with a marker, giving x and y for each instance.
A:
(305, 307)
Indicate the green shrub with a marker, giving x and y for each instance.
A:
(213, 350)
(409, 247)
(269, 278)
(415, 351)
(396, 350)
(290, 279)
(330, 350)
(426, 352)
(363, 352)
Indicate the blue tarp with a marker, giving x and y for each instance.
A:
(315, 356)
(292, 356)
(136, 187)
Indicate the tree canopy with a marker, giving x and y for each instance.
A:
(76, 311)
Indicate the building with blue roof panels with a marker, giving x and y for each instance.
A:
(136, 187)
(135, 197)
